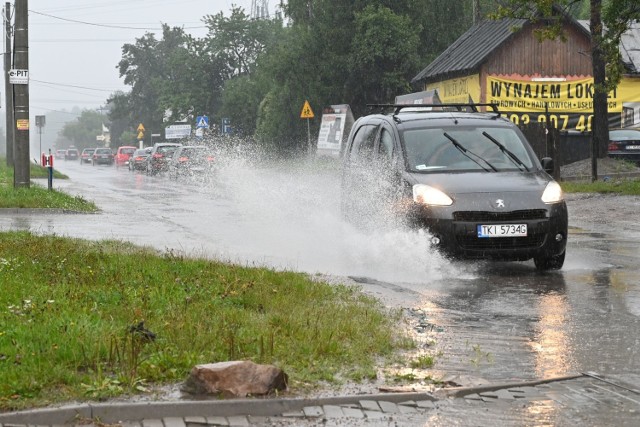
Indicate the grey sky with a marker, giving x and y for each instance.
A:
(74, 64)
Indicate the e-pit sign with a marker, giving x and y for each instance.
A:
(18, 77)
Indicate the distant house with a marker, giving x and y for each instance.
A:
(503, 62)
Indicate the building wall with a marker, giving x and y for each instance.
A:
(525, 55)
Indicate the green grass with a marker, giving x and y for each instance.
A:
(37, 195)
(67, 307)
(618, 186)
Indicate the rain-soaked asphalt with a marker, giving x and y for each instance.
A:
(496, 322)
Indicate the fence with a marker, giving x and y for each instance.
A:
(563, 147)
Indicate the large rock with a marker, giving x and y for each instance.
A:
(235, 378)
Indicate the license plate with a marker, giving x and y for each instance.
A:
(502, 230)
(633, 147)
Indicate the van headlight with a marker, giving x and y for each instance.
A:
(427, 195)
(553, 193)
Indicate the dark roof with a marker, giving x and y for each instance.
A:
(629, 46)
(471, 49)
(467, 53)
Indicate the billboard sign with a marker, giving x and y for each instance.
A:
(177, 131)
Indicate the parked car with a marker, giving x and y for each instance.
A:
(138, 160)
(123, 154)
(158, 160)
(60, 154)
(468, 178)
(102, 156)
(86, 155)
(191, 161)
(624, 144)
(71, 154)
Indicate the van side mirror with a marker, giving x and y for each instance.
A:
(547, 165)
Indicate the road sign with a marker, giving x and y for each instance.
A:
(18, 77)
(307, 112)
(140, 128)
(140, 135)
(202, 122)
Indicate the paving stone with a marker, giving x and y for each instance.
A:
(312, 411)
(173, 422)
(332, 411)
(195, 420)
(374, 415)
(152, 423)
(388, 407)
(408, 403)
(130, 424)
(370, 405)
(217, 421)
(239, 421)
(353, 412)
(425, 404)
(403, 409)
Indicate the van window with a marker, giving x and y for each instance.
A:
(363, 144)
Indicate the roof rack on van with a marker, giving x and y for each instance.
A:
(443, 107)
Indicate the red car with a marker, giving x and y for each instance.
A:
(123, 154)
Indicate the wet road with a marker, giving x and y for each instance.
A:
(488, 322)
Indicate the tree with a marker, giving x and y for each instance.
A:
(83, 131)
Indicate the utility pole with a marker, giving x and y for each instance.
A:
(8, 87)
(21, 172)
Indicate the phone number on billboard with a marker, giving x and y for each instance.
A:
(579, 122)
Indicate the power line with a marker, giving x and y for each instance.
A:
(77, 87)
(107, 25)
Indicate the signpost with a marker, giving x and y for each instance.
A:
(141, 130)
(307, 113)
(40, 122)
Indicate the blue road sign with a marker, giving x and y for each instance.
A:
(202, 122)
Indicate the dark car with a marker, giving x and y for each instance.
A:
(161, 154)
(138, 160)
(468, 178)
(624, 144)
(71, 154)
(191, 161)
(86, 155)
(102, 156)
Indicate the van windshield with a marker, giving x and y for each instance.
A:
(464, 149)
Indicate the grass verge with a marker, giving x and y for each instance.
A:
(37, 196)
(69, 307)
(630, 187)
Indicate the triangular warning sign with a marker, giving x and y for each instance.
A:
(202, 123)
(307, 112)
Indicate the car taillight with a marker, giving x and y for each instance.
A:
(210, 159)
(613, 147)
(157, 156)
(183, 159)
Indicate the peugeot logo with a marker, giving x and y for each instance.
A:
(499, 203)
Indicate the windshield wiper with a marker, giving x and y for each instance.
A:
(507, 152)
(464, 151)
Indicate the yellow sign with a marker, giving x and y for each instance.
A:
(140, 135)
(140, 128)
(307, 112)
(462, 90)
(22, 124)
